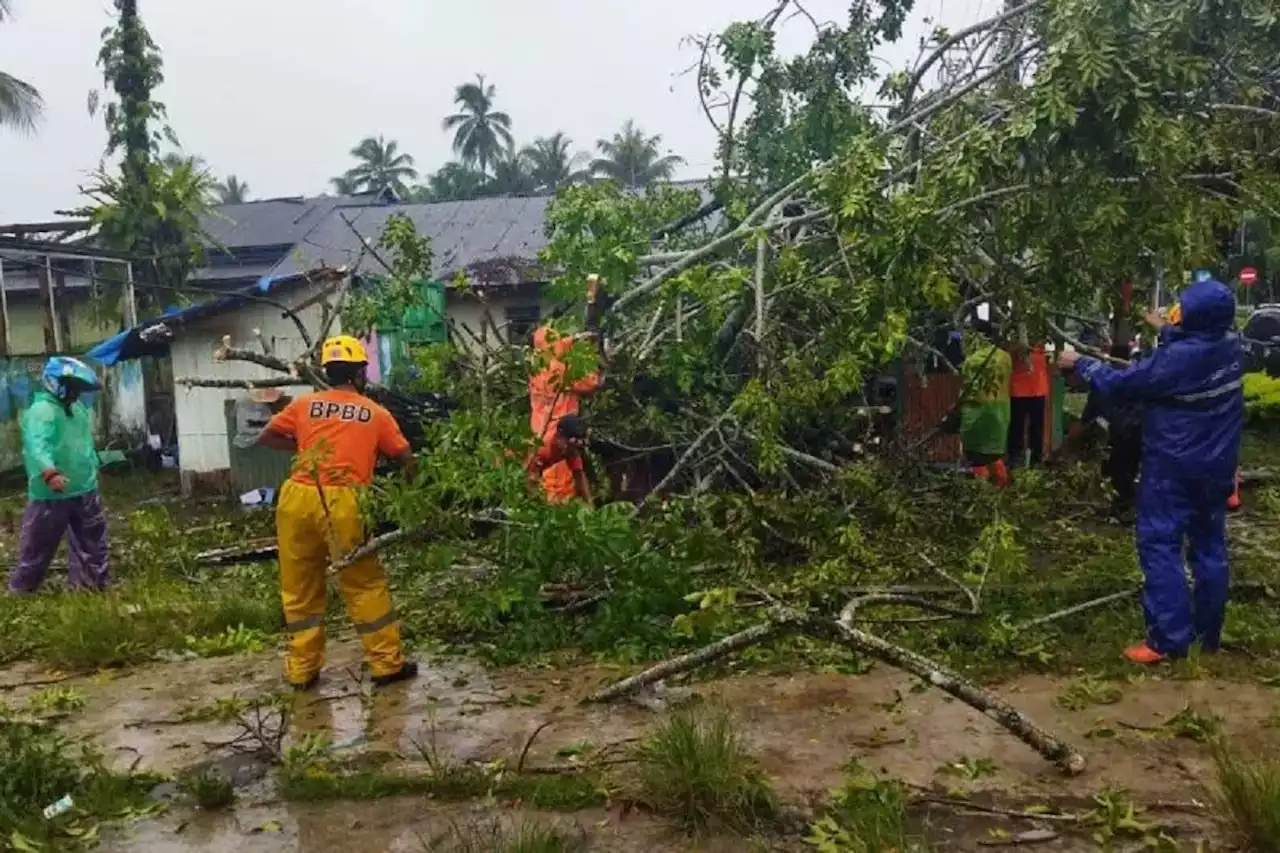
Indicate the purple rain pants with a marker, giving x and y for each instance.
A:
(43, 524)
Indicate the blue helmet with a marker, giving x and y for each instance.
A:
(63, 369)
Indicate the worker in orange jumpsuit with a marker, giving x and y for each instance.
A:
(338, 435)
(553, 396)
(565, 448)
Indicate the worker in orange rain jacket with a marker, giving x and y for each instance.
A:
(338, 435)
(552, 396)
(565, 448)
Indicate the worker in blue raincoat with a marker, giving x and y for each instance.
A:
(1191, 388)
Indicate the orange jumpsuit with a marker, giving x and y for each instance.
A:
(339, 434)
(551, 397)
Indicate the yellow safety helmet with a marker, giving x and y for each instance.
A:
(1175, 314)
(343, 349)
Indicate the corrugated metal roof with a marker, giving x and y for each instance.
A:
(496, 240)
(266, 223)
(248, 272)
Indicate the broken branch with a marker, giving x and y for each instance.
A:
(776, 626)
(1051, 747)
(247, 384)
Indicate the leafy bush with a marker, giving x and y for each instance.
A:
(695, 769)
(1261, 398)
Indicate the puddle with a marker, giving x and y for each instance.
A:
(805, 728)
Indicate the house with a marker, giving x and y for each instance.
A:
(187, 338)
(285, 253)
(494, 242)
(58, 297)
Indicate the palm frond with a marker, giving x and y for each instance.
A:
(20, 103)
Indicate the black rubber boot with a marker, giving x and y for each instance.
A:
(407, 672)
(306, 685)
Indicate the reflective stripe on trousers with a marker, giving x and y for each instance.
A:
(305, 535)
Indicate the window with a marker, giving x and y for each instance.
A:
(522, 320)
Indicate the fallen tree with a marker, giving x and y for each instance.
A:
(1030, 162)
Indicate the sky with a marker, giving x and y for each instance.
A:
(277, 92)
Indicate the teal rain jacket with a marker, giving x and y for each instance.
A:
(52, 438)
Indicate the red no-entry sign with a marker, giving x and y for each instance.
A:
(1248, 276)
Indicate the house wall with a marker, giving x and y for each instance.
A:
(466, 312)
(203, 450)
(118, 415)
(87, 320)
(119, 409)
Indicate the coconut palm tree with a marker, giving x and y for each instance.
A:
(479, 132)
(344, 185)
(381, 167)
(231, 191)
(633, 159)
(551, 165)
(174, 159)
(20, 102)
(453, 182)
(511, 174)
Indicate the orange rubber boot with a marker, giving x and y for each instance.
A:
(1233, 502)
(1144, 654)
(981, 472)
(1001, 477)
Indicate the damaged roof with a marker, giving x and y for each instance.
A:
(494, 240)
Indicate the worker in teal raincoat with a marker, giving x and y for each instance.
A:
(62, 481)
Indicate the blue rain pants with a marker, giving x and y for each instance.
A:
(1172, 511)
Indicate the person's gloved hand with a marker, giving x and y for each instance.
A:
(1067, 359)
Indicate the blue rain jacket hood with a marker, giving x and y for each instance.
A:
(1192, 389)
(1208, 307)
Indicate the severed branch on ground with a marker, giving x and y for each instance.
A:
(784, 620)
(263, 729)
(1051, 747)
(1240, 590)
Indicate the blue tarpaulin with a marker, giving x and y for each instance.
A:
(129, 344)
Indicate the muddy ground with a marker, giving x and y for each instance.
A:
(805, 728)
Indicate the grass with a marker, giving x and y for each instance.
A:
(39, 766)
(867, 815)
(127, 625)
(209, 789)
(1248, 797)
(318, 779)
(232, 641)
(694, 769)
(56, 699)
(494, 837)
(1086, 692)
(160, 598)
